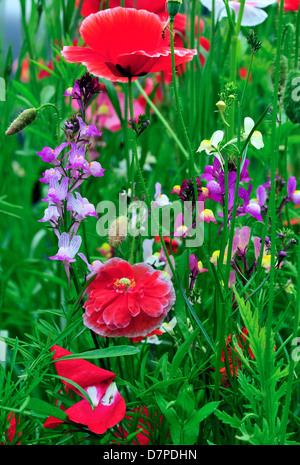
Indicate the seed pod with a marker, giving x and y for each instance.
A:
(173, 7)
(23, 120)
(118, 231)
(283, 70)
(291, 96)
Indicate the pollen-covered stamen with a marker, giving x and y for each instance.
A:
(123, 284)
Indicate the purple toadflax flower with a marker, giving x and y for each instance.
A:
(68, 248)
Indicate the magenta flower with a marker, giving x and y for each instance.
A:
(252, 208)
(293, 194)
(196, 268)
(77, 157)
(94, 169)
(93, 267)
(80, 206)
(88, 130)
(52, 173)
(84, 90)
(57, 192)
(68, 248)
(51, 215)
(50, 155)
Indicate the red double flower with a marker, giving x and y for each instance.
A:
(124, 43)
(127, 300)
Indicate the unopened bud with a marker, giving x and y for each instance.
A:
(118, 231)
(23, 120)
(173, 7)
(221, 105)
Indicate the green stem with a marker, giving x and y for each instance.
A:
(273, 162)
(297, 39)
(162, 120)
(233, 64)
(288, 397)
(57, 115)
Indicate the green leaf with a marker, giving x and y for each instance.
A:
(116, 351)
(181, 353)
(46, 409)
(200, 415)
(233, 421)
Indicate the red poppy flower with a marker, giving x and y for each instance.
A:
(125, 300)
(93, 6)
(109, 405)
(124, 43)
(243, 72)
(291, 5)
(171, 244)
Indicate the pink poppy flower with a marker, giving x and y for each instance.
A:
(108, 405)
(126, 300)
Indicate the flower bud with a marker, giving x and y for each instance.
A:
(118, 231)
(23, 120)
(221, 105)
(173, 7)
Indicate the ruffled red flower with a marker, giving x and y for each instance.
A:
(125, 300)
(93, 6)
(109, 405)
(124, 43)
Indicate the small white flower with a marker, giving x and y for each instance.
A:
(152, 340)
(168, 327)
(256, 138)
(211, 145)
